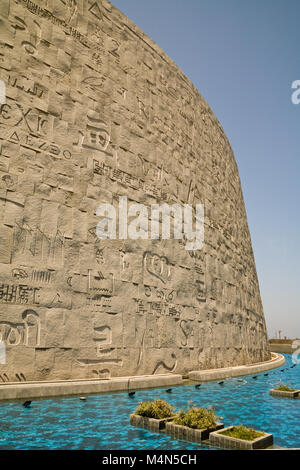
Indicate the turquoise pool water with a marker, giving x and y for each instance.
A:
(102, 421)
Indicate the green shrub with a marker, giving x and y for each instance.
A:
(197, 418)
(158, 409)
(241, 432)
(284, 388)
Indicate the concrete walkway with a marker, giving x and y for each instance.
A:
(26, 390)
(11, 391)
(277, 360)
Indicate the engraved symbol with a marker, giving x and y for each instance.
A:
(191, 192)
(165, 366)
(56, 299)
(41, 123)
(97, 58)
(14, 137)
(95, 10)
(37, 243)
(187, 330)
(67, 154)
(162, 79)
(30, 48)
(104, 348)
(92, 232)
(122, 91)
(102, 374)
(100, 276)
(32, 328)
(26, 333)
(148, 291)
(11, 333)
(96, 136)
(4, 111)
(7, 179)
(21, 25)
(24, 117)
(104, 337)
(125, 263)
(72, 9)
(142, 107)
(103, 286)
(41, 276)
(113, 47)
(100, 255)
(157, 266)
(4, 378)
(94, 83)
(19, 273)
(200, 284)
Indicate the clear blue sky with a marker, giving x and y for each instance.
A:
(243, 56)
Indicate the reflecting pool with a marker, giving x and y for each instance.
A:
(102, 421)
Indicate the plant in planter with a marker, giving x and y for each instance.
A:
(194, 424)
(283, 390)
(158, 409)
(241, 437)
(242, 432)
(152, 415)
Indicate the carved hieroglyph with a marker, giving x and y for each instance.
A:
(95, 110)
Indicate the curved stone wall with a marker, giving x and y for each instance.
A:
(95, 110)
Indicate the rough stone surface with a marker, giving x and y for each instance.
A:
(188, 434)
(152, 424)
(95, 110)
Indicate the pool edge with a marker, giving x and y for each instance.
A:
(14, 391)
(237, 371)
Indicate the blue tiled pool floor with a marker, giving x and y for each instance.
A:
(102, 421)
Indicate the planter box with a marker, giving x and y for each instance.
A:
(281, 393)
(152, 424)
(221, 440)
(189, 434)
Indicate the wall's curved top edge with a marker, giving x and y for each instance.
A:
(158, 50)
